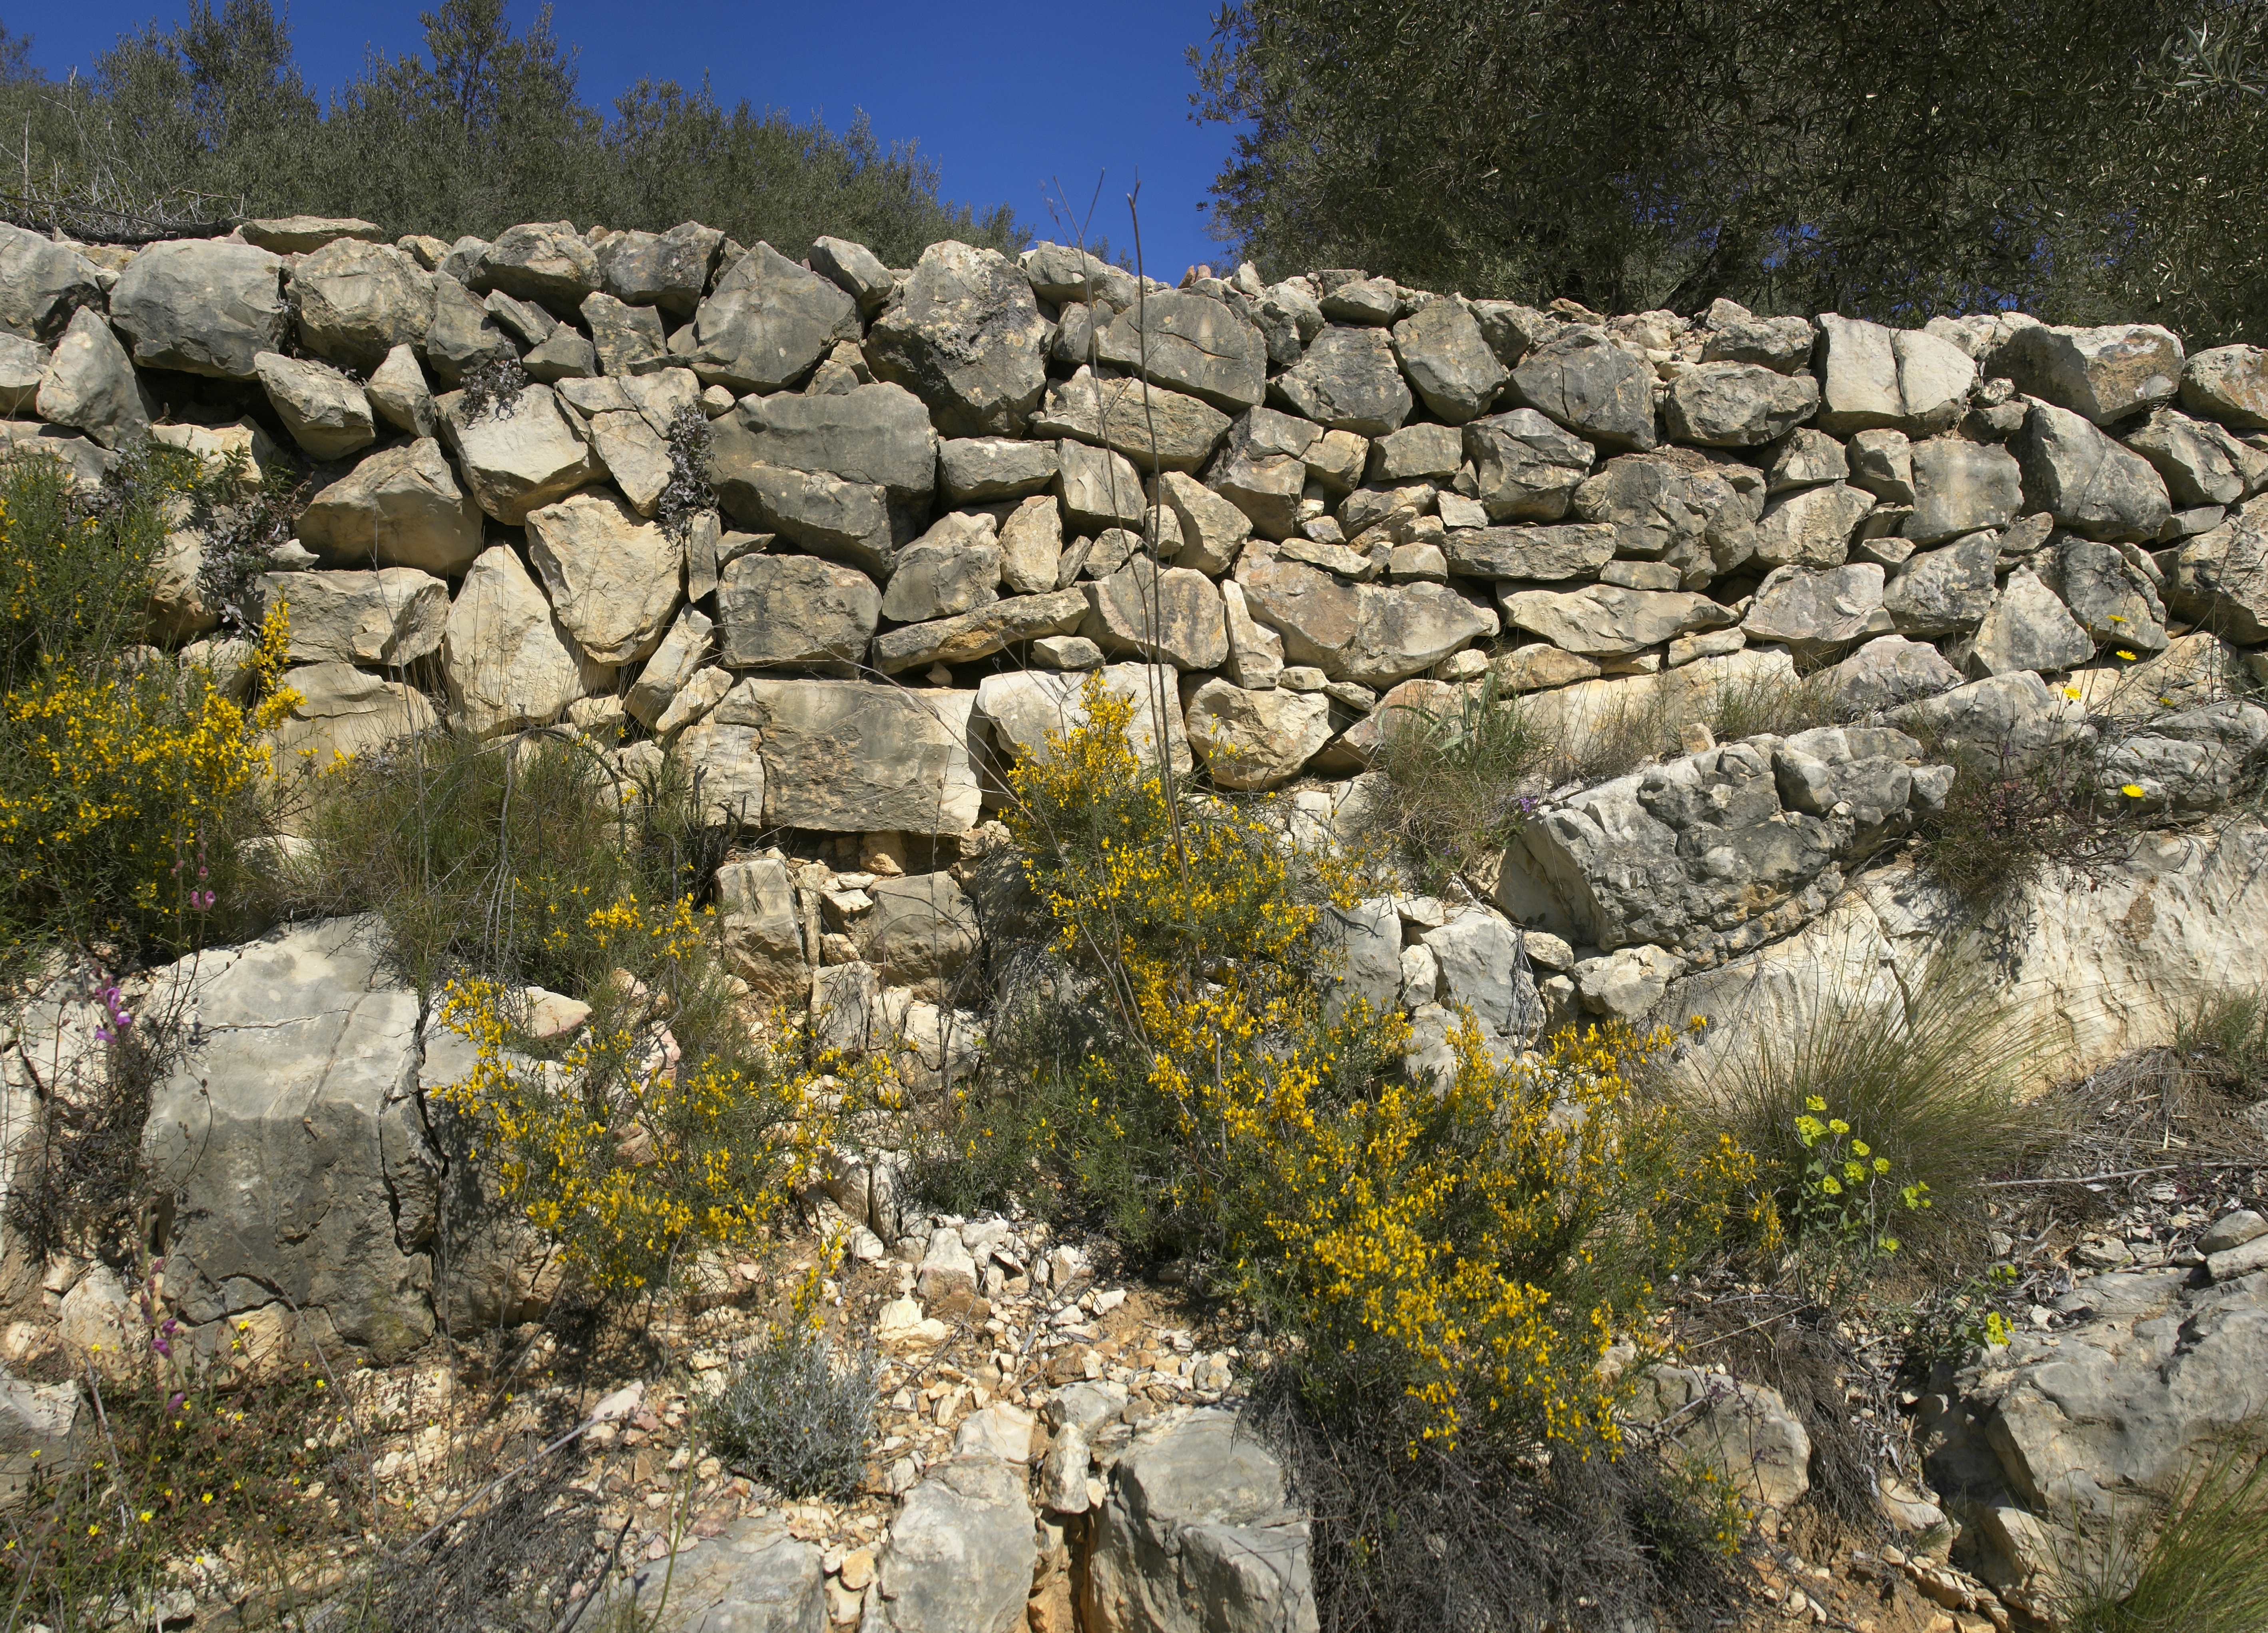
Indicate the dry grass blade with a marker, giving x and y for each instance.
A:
(2206, 1568)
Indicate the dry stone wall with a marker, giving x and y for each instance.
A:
(849, 538)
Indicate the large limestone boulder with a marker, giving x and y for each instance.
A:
(1371, 634)
(2014, 717)
(768, 323)
(23, 365)
(964, 334)
(615, 581)
(342, 711)
(2028, 628)
(548, 262)
(1812, 527)
(1157, 429)
(625, 340)
(851, 757)
(1170, 615)
(1211, 530)
(1584, 382)
(1099, 489)
(1961, 487)
(1737, 405)
(879, 435)
(2111, 597)
(952, 569)
(1021, 711)
(1262, 471)
(751, 1577)
(2188, 761)
(1447, 358)
(2087, 481)
(400, 507)
(1526, 468)
(2228, 384)
(507, 664)
(303, 235)
(2220, 579)
(1605, 621)
(41, 284)
(1888, 671)
(977, 469)
(669, 270)
(920, 933)
(992, 627)
(1190, 343)
(2201, 463)
(959, 1554)
(327, 414)
(355, 302)
(520, 455)
(464, 336)
(1536, 555)
(89, 385)
(1696, 511)
(1905, 380)
(1348, 380)
(1478, 956)
(290, 1142)
(1943, 591)
(671, 669)
(763, 932)
(1256, 740)
(1818, 615)
(795, 610)
(2104, 374)
(393, 617)
(1199, 1535)
(202, 306)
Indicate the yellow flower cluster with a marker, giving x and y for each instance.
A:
(629, 1154)
(1479, 1245)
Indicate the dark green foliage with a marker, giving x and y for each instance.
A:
(211, 120)
(2086, 158)
(794, 1418)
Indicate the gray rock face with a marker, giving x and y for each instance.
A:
(1099, 490)
(2201, 463)
(1805, 458)
(2220, 579)
(399, 394)
(1678, 506)
(22, 365)
(959, 1555)
(879, 435)
(673, 664)
(1890, 671)
(2228, 384)
(464, 336)
(856, 269)
(543, 262)
(1737, 405)
(521, 456)
(669, 270)
(1743, 1433)
(1905, 379)
(1478, 954)
(1881, 462)
(505, 661)
(1348, 380)
(1605, 621)
(794, 610)
(1811, 527)
(1526, 468)
(1942, 591)
(1781, 344)
(2103, 374)
(973, 469)
(1194, 343)
(848, 757)
(2029, 627)
(1961, 487)
(202, 306)
(1211, 530)
(2188, 761)
(1720, 851)
(1575, 550)
(41, 284)
(964, 334)
(355, 302)
(1020, 710)
(2087, 481)
(1450, 361)
(1164, 614)
(624, 339)
(1256, 740)
(289, 1139)
(952, 569)
(343, 711)
(1594, 388)
(1374, 635)
(1063, 272)
(2016, 714)
(326, 413)
(1819, 614)
(393, 616)
(752, 1578)
(2109, 597)
(1199, 1536)
(90, 385)
(1159, 430)
(768, 323)
(1262, 470)
(843, 521)
(614, 580)
(921, 933)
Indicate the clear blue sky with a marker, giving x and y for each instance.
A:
(1006, 99)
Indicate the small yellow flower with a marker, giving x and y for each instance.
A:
(2133, 791)
(1859, 1148)
(1837, 1126)
(2125, 656)
(2072, 691)
(1814, 1103)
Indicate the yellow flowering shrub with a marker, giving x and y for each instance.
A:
(1476, 1246)
(125, 777)
(651, 1139)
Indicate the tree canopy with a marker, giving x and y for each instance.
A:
(2088, 159)
(211, 119)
